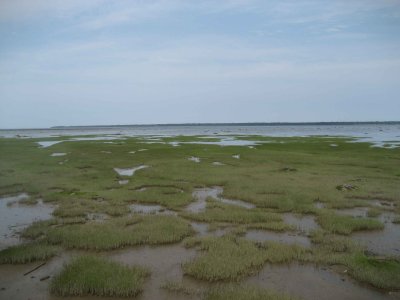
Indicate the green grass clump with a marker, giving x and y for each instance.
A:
(27, 253)
(219, 212)
(38, 228)
(172, 198)
(381, 273)
(231, 258)
(89, 275)
(346, 224)
(243, 292)
(121, 232)
(281, 253)
(331, 243)
(373, 212)
(225, 258)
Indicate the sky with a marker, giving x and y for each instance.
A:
(98, 62)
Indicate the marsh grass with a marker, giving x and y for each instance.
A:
(346, 224)
(38, 228)
(27, 253)
(121, 232)
(89, 275)
(169, 197)
(374, 212)
(87, 183)
(281, 253)
(381, 273)
(331, 243)
(219, 212)
(215, 261)
(244, 292)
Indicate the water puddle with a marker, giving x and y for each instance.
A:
(236, 202)
(202, 194)
(357, 212)
(14, 217)
(333, 145)
(200, 228)
(46, 144)
(106, 152)
(14, 285)
(382, 242)
(164, 263)
(123, 182)
(151, 209)
(195, 159)
(58, 154)
(319, 205)
(302, 223)
(309, 282)
(217, 163)
(282, 237)
(237, 156)
(129, 171)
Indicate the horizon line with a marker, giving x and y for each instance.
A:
(209, 124)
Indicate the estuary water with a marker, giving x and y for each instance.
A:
(380, 134)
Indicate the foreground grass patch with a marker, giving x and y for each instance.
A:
(22, 254)
(381, 273)
(231, 258)
(225, 258)
(219, 212)
(121, 232)
(346, 224)
(88, 275)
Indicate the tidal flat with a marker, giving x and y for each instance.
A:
(137, 217)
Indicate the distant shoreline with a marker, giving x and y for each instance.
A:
(213, 124)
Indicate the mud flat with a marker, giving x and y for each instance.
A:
(309, 282)
(382, 242)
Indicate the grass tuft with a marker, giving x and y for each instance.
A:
(27, 253)
(346, 224)
(121, 232)
(89, 275)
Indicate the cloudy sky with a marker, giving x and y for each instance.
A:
(176, 61)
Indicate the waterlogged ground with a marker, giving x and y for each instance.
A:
(192, 217)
